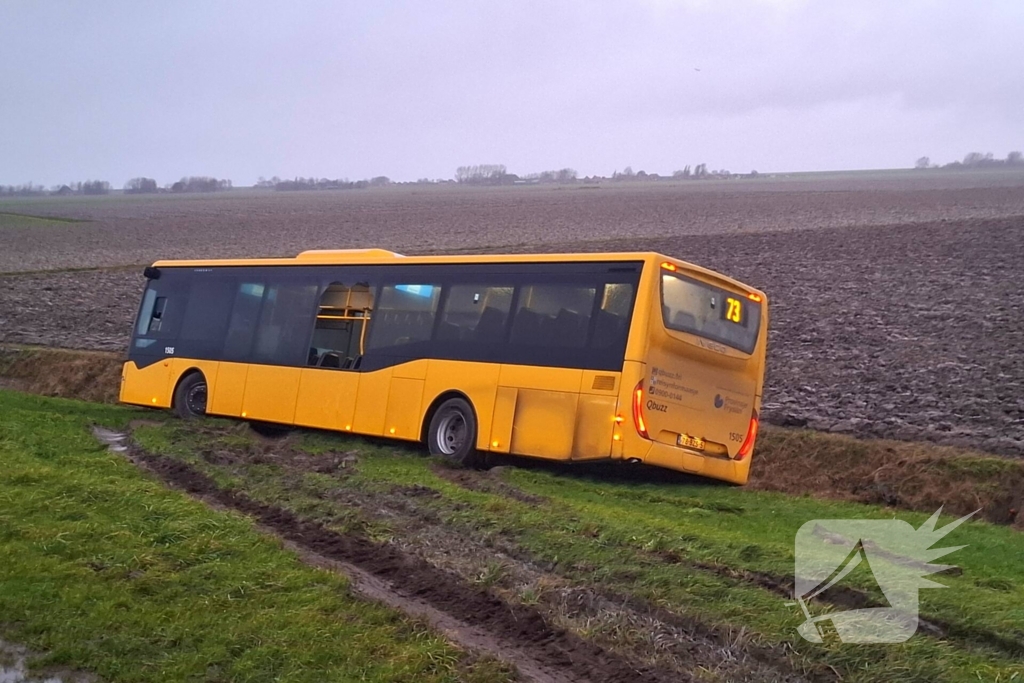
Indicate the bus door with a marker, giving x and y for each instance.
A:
(701, 383)
(329, 383)
(279, 349)
(390, 399)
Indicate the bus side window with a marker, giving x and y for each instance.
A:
(285, 320)
(339, 334)
(242, 325)
(404, 315)
(553, 315)
(612, 318)
(160, 314)
(152, 314)
(475, 313)
(205, 320)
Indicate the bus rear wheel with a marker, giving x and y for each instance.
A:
(190, 396)
(452, 432)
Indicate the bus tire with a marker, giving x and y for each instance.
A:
(190, 396)
(452, 432)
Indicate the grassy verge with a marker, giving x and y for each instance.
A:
(907, 475)
(912, 476)
(86, 375)
(708, 558)
(25, 220)
(106, 570)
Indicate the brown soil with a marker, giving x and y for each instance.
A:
(415, 520)
(903, 331)
(486, 482)
(552, 654)
(123, 230)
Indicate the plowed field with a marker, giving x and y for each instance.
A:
(895, 304)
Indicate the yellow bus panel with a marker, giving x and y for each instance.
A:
(146, 386)
(371, 400)
(327, 398)
(545, 423)
(271, 393)
(504, 418)
(477, 381)
(595, 422)
(402, 419)
(226, 398)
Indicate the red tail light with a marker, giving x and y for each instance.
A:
(638, 410)
(748, 443)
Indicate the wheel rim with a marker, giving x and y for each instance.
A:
(451, 433)
(195, 399)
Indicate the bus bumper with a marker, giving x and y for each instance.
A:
(145, 386)
(683, 460)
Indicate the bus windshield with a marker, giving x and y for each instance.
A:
(696, 307)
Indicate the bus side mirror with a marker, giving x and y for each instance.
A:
(151, 273)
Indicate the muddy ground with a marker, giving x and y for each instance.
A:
(118, 230)
(910, 332)
(489, 598)
(424, 552)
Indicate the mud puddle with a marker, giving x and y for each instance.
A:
(14, 669)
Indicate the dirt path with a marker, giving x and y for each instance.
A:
(471, 616)
(470, 637)
(483, 594)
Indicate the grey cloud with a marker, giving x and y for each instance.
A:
(118, 89)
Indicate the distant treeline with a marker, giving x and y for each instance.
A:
(975, 160)
(298, 183)
(497, 174)
(133, 186)
(479, 174)
(33, 190)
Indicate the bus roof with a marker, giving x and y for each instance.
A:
(346, 257)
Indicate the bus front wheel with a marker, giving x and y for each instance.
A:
(190, 396)
(452, 432)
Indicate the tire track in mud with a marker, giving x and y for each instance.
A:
(470, 616)
(853, 598)
(784, 586)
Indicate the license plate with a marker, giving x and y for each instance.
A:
(690, 442)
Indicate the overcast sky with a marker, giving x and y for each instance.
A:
(114, 90)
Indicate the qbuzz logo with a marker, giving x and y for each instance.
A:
(896, 555)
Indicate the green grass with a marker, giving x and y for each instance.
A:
(108, 568)
(107, 571)
(662, 543)
(24, 220)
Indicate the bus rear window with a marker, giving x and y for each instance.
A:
(691, 306)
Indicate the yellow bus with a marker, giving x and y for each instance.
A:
(573, 357)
